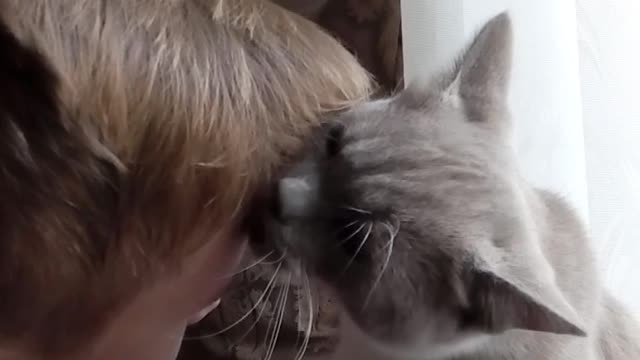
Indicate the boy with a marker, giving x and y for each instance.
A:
(131, 132)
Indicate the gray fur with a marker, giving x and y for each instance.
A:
(413, 212)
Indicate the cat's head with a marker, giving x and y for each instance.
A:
(411, 209)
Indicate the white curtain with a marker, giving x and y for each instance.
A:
(575, 101)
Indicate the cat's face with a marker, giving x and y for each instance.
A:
(410, 209)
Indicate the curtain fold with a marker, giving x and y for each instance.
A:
(609, 43)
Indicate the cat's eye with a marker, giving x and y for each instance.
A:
(334, 140)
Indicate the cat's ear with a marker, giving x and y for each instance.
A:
(483, 73)
(496, 304)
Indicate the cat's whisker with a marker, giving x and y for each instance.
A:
(364, 241)
(393, 232)
(308, 330)
(282, 304)
(268, 339)
(351, 224)
(343, 241)
(361, 211)
(246, 314)
(278, 260)
(255, 322)
(260, 275)
(250, 266)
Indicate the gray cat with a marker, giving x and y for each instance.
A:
(412, 211)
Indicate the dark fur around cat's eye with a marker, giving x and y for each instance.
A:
(412, 210)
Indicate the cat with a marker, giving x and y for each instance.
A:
(412, 212)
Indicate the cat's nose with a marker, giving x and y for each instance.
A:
(297, 196)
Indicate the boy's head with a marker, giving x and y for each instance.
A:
(130, 135)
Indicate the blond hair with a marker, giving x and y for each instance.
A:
(170, 113)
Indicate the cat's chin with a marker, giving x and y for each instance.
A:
(356, 343)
